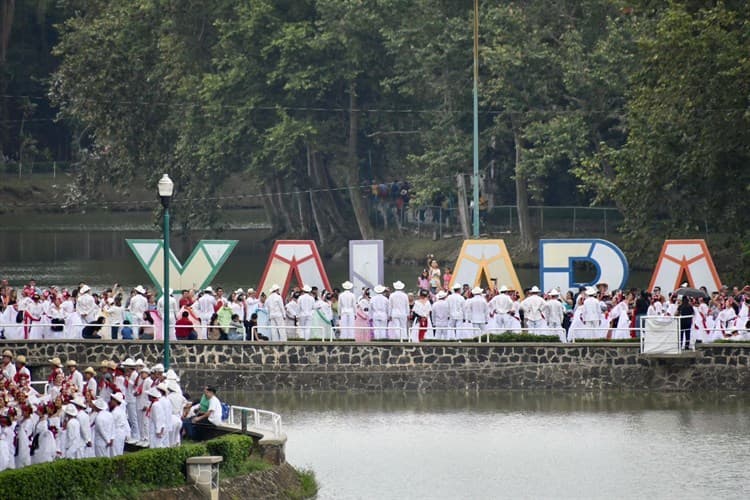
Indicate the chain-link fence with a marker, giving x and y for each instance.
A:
(18, 169)
(439, 221)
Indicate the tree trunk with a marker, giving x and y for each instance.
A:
(352, 169)
(463, 208)
(272, 213)
(281, 205)
(8, 7)
(313, 210)
(522, 197)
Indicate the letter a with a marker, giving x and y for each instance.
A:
(690, 257)
(299, 258)
(488, 258)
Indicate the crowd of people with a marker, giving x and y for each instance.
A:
(90, 413)
(436, 310)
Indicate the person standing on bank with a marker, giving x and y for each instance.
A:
(456, 303)
(477, 311)
(306, 304)
(399, 309)
(421, 311)
(686, 313)
(379, 312)
(347, 310)
(276, 313)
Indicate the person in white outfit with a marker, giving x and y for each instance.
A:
(86, 306)
(104, 429)
(477, 311)
(117, 408)
(84, 421)
(205, 308)
(138, 305)
(276, 314)
(554, 312)
(306, 306)
(592, 313)
(456, 305)
(398, 304)
(347, 310)
(500, 307)
(177, 402)
(159, 420)
(24, 436)
(74, 446)
(532, 307)
(379, 310)
(172, 313)
(441, 316)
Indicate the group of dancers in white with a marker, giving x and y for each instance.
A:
(85, 414)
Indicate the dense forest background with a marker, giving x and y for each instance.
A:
(640, 105)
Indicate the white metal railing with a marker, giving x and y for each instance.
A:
(371, 329)
(284, 328)
(263, 420)
(662, 334)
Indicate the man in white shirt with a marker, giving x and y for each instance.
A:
(211, 417)
(456, 305)
(592, 313)
(138, 305)
(398, 304)
(306, 306)
(501, 306)
(347, 310)
(86, 306)
(172, 312)
(277, 312)
(441, 316)
(532, 312)
(554, 312)
(476, 310)
(379, 308)
(205, 308)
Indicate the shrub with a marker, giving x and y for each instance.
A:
(515, 337)
(120, 476)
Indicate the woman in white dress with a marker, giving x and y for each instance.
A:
(322, 317)
(422, 325)
(577, 330)
(620, 312)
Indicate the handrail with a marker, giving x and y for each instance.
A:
(257, 420)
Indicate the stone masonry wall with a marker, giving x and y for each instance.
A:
(340, 366)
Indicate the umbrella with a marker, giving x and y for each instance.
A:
(690, 292)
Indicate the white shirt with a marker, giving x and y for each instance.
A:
(306, 305)
(456, 305)
(554, 312)
(347, 303)
(532, 307)
(379, 307)
(441, 312)
(206, 305)
(138, 306)
(501, 304)
(591, 309)
(476, 309)
(399, 304)
(214, 406)
(275, 306)
(422, 308)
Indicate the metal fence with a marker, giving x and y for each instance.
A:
(436, 221)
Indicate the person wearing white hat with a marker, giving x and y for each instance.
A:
(166, 409)
(104, 429)
(205, 308)
(138, 305)
(120, 419)
(143, 385)
(592, 314)
(398, 304)
(277, 312)
(86, 305)
(532, 307)
(456, 303)
(7, 368)
(73, 444)
(84, 421)
(476, 311)
(251, 303)
(441, 316)
(159, 420)
(75, 377)
(553, 313)
(347, 310)
(306, 304)
(131, 383)
(177, 404)
(379, 309)
(501, 307)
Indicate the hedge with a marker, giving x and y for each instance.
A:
(93, 477)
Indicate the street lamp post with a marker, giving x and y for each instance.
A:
(166, 187)
(475, 213)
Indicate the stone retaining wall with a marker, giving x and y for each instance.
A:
(339, 366)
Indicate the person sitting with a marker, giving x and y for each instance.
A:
(195, 427)
(184, 328)
(91, 331)
(147, 329)
(236, 328)
(126, 331)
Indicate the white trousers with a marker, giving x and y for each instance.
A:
(401, 331)
(277, 334)
(133, 421)
(304, 323)
(380, 329)
(347, 326)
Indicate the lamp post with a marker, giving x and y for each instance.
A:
(166, 187)
(475, 214)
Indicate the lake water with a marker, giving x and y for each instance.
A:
(64, 250)
(517, 444)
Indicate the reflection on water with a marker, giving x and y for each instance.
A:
(517, 444)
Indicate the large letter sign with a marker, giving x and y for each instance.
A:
(299, 258)
(200, 268)
(557, 259)
(488, 258)
(365, 263)
(689, 256)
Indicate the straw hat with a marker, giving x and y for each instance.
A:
(347, 285)
(90, 370)
(71, 362)
(476, 291)
(399, 285)
(379, 289)
(21, 359)
(8, 353)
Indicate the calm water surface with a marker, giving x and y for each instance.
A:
(517, 445)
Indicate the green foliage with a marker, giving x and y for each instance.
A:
(308, 486)
(234, 448)
(124, 476)
(516, 337)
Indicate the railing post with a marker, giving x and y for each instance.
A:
(243, 421)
